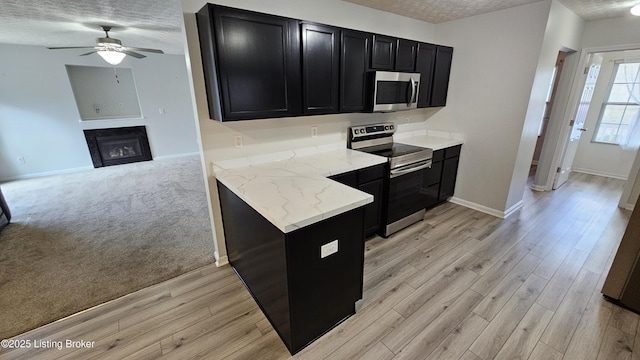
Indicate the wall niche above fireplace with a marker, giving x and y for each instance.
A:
(117, 146)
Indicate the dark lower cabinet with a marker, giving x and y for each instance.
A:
(449, 172)
(354, 64)
(320, 69)
(251, 63)
(440, 180)
(371, 181)
(302, 294)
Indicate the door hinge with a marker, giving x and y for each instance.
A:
(558, 169)
(586, 70)
(572, 122)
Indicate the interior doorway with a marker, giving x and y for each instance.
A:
(554, 155)
(551, 94)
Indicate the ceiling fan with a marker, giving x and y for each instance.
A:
(111, 49)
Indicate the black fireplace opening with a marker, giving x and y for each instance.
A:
(117, 146)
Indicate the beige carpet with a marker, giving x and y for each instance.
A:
(78, 240)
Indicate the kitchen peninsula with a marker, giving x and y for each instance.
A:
(296, 238)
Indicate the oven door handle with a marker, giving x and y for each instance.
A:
(403, 171)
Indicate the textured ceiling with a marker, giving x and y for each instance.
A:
(156, 23)
(139, 23)
(437, 11)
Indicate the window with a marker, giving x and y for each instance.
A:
(622, 105)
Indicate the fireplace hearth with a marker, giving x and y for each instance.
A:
(117, 146)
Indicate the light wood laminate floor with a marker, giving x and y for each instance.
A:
(459, 285)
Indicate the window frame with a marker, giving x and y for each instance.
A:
(603, 107)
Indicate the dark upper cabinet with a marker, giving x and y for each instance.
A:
(433, 62)
(354, 64)
(251, 63)
(442, 70)
(425, 63)
(383, 52)
(406, 55)
(320, 68)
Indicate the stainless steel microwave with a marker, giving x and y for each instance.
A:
(393, 91)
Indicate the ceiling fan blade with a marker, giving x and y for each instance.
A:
(71, 47)
(144, 49)
(89, 53)
(134, 54)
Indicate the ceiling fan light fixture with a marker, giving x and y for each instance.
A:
(635, 10)
(112, 57)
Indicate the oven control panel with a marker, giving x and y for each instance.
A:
(369, 130)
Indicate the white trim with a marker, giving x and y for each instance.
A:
(629, 207)
(535, 187)
(46, 173)
(478, 207)
(177, 156)
(84, 168)
(517, 206)
(220, 260)
(599, 173)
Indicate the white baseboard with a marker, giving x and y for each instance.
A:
(45, 173)
(478, 207)
(629, 207)
(538, 187)
(600, 173)
(177, 156)
(221, 260)
(513, 209)
(83, 168)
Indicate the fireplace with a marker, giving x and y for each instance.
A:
(117, 146)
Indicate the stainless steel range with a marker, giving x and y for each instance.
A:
(404, 199)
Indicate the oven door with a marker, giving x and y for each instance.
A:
(406, 196)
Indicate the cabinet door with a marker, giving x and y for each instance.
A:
(406, 55)
(448, 180)
(425, 63)
(372, 211)
(444, 55)
(383, 52)
(320, 68)
(258, 59)
(354, 63)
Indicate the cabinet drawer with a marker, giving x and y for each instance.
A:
(371, 173)
(438, 155)
(452, 152)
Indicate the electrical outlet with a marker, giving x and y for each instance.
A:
(314, 131)
(21, 160)
(238, 141)
(328, 249)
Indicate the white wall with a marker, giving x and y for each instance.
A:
(502, 66)
(598, 158)
(39, 119)
(272, 135)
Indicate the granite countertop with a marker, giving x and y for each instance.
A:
(291, 189)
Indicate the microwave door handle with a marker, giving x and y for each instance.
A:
(413, 91)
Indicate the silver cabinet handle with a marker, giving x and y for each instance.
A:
(399, 172)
